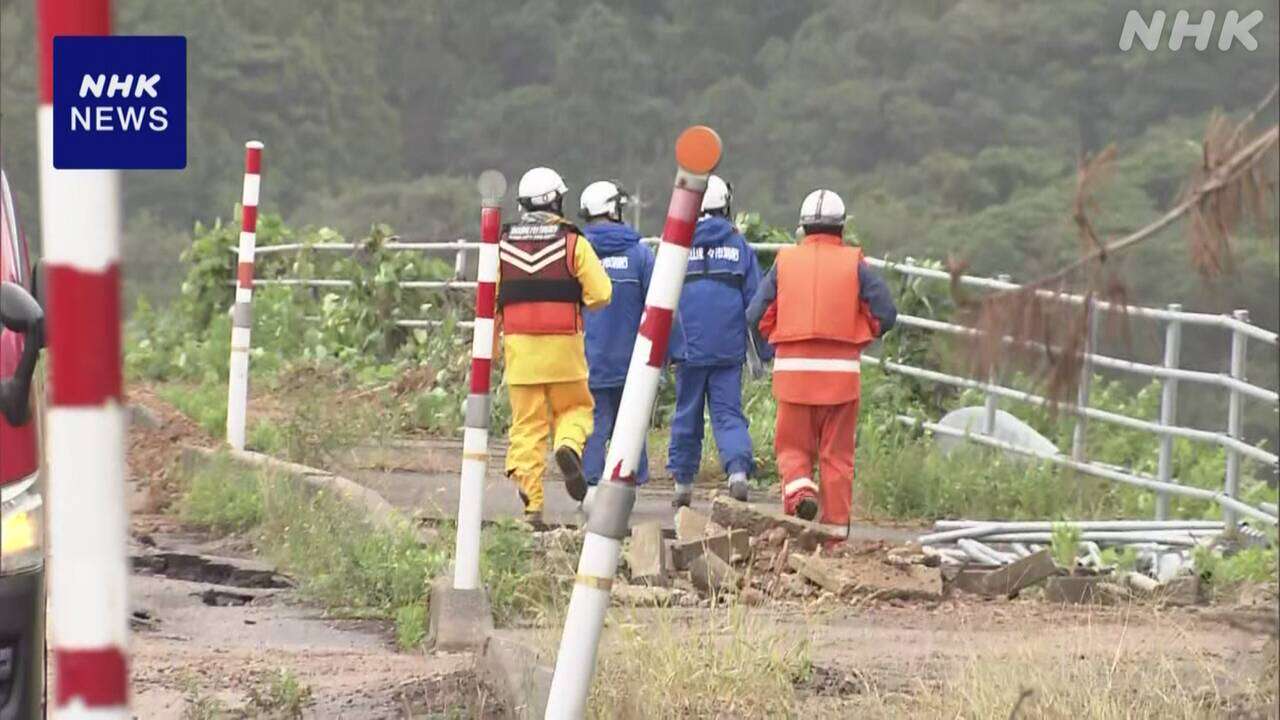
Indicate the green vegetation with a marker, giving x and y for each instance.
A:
(1225, 572)
(952, 128)
(345, 563)
(283, 696)
(1064, 544)
(350, 376)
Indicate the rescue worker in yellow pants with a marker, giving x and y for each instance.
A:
(547, 273)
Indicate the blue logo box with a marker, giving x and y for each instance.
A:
(119, 102)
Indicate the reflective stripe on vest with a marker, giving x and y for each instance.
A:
(805, 364)
(538, 293)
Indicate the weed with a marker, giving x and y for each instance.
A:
(411, 626)
(1064, 543)
(283, 696)
(517, 588)
(198, 705)
(205, 404)
(267, 437)
(220, 497)
(1246, 566)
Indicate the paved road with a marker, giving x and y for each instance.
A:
(432, 490)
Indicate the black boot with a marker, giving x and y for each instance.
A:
(575, 482)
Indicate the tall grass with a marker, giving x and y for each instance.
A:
(726, 665)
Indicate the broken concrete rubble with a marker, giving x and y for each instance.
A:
(869, 575)
(646, 556)
(757, 519)
(711, 574)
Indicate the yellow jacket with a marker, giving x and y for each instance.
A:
(538, 359)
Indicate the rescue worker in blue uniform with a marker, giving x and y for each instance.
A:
(709, 346)
(611, 331)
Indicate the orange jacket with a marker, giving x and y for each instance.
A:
(817, 336)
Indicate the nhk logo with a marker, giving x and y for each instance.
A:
(119, 102)
(1235, 28)
(102, 118)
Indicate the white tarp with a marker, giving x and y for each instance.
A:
(1007, 428)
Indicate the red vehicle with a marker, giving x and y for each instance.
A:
(21, 502)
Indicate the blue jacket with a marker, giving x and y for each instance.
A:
(711, 325)
(611, 330)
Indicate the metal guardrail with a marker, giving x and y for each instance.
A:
(1170, 375)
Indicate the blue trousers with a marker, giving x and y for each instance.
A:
(719, 387)
(593, 455)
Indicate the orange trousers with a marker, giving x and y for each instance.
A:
(825, 434)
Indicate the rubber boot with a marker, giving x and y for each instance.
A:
(738, 488)
(683, 496)
(575, 482)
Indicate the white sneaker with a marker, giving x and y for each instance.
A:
(738, 488)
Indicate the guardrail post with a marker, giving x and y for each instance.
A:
(242, 311)
(1086, 377)
(990, 406)
(1168, 409)
(460, 261)
(1234, 416)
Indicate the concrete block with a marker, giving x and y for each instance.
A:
(458, 620)
(1022, 573)
(739, 545)
(1182, 590)
(711, 574)
(757, 519)
(645, 555)
(969, 580)
(1074, 589)
(684, 552)
(520, 674)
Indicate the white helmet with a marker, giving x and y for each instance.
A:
(822, 207)
(602, 199)
(717, 197)
(540, 187)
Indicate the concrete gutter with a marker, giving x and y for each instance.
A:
(518, 672)
(380, 512)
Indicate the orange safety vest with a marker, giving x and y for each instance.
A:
(538, 292)
(821, 327)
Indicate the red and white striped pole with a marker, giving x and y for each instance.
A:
(88, 520)
(697, 154)
(242, 311)
(475, 434)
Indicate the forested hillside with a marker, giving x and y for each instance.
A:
(953, 126)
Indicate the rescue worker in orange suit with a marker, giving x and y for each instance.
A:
(547, 273)
(819, 307)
